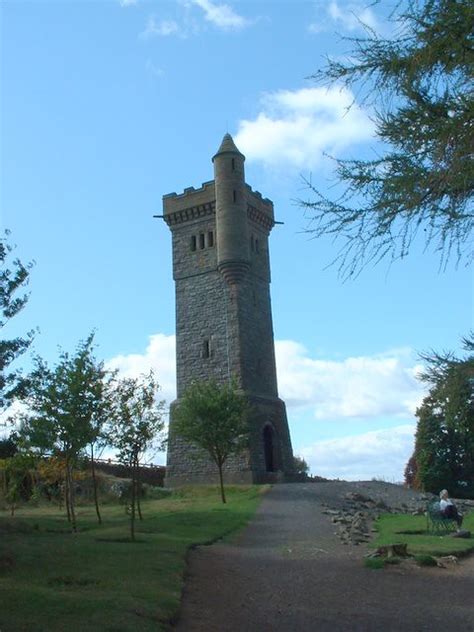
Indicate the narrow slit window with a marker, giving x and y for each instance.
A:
(233, 164)
(257, 246)
(193, 243)
(201, 241)
(210, 239)
(235, 195)
(206, 349)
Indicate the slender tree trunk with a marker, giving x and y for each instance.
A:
(94, 484)
(139, 489)
(132, 513)
(219, 465)
(66, 496)
(71, 495)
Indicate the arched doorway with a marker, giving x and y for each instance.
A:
(270, 448)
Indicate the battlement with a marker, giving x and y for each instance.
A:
(195, 203)
(258, 195)
(190, 190)
(263, 207)
(190, 198)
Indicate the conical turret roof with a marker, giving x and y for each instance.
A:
(228, 146)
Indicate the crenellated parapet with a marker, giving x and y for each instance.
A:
(193, 204)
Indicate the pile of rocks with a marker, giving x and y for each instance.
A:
(353, 505)
(352, 528)
(354, 519)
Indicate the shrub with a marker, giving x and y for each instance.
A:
(425, 560)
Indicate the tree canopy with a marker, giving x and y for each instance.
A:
(137, 425)
(419, 88)
(14, 276)
(64, 406)
(444, 443)
(213, 417)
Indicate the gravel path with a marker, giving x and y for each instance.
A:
(289, 572)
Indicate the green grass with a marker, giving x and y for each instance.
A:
(375, 563)
(52, 580)
(403, 528)
(425, 560)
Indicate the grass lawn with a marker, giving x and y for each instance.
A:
(403, 528)
(52, 580)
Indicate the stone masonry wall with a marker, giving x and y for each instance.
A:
(224, 330)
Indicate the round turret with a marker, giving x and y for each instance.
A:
(233, 256)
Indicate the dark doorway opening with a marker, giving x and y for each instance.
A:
(269, 448)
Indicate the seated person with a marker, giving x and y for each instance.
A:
(448, 508)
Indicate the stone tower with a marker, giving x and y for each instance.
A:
(224, 328)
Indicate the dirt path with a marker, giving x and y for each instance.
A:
(288, 572)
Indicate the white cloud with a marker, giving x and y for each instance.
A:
(160, 356)
(9, 418)
(382, 385)
(380, 453)
(161, 28)
(186, 23)
(153, 69)
(295, 128)
(352, 16)
(355, 387)
(221, 15)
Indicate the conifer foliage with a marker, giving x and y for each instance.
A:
(444, 443)
(418, 86)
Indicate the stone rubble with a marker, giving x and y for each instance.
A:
(354, 521)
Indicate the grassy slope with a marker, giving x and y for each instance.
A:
(390, 526)
(97, 580)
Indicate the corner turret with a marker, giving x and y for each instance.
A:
(233, 255)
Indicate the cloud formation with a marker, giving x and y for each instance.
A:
(160, 28)
(295, 128)
(221, 15)
(379, 454)
(159, 356)
(382, 385)
(354, 387)
(350, 17)
(187, 22)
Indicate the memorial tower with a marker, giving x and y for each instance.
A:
(224, 329)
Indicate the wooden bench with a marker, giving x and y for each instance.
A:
(436, 522)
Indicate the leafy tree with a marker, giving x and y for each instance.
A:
(19, 478)
(213, 417)
(9, 447)
(51, 473)
(444, 443)
(13, 277)
(300, 466)
(419, 85)
(65, 405)
(411, 472)
(137, 426)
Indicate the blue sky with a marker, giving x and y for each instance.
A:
(106, 106)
